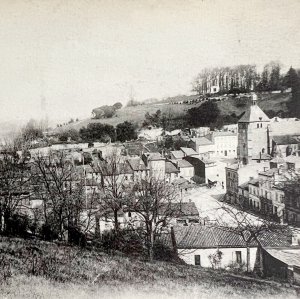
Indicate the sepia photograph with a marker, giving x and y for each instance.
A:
(149, 149)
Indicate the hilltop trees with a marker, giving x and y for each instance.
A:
(242, 77)
(106, 111)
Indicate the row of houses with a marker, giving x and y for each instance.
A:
(261, 188)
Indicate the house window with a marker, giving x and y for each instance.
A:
(238, 257)
(197, 260)
(257, 125)
(261, 125)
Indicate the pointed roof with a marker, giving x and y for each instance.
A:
(254, 114)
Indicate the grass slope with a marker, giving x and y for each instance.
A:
(69, 272)
(136, 114)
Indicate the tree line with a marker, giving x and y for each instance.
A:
(240, 78)
(101, 132)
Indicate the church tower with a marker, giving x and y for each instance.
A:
(252, 133)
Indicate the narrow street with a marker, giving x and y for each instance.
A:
(210, 207)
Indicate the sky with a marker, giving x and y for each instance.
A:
(75, 55)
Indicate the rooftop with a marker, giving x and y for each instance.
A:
(180, 209)
(154, 156)
(188, 151)
(286, 139)
(254, 114)
(136, 164)
(184, 164)
(198, 236)
(171, 168)
(224, 133)
(289, 256)
(202, 141)
(177, 154)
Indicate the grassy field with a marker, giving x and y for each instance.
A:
(45, 270)
(136, 114)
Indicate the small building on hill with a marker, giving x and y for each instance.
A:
(198, 245)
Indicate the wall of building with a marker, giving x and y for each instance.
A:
(228, 257)
(225, 146)
(187, 172)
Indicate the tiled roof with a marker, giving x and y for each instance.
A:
(184, 164)
(198, 236)
(276, 238)
(171, 168)
(136, 164)
(254, 114)
(177, 154)
(286, 139)
(154, 156)
(181, 209)
(202, 236)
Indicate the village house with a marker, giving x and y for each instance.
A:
(282, 262)
(197, 244)
(203, 146)
(218, 247)
(186, 169)
(225, 144)
(204, 169)
(238, 174)
(286, 145)
(171, 171)
(155, 162)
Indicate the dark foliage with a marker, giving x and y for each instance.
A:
(163, 252)
(71, 134)
(203, 115)
(17, 225)
(98, 131)
(126, 131)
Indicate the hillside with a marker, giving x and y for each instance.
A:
(59, 271)
(276, 102)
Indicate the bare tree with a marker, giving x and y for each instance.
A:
(15, 179)
(248, 226)
(155, 203)
(114, 184)
(61, 190)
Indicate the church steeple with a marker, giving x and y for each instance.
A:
(254, 99)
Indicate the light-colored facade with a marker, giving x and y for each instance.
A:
(225, 144)
(230, 256)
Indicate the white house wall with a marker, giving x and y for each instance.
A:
(228, 257)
